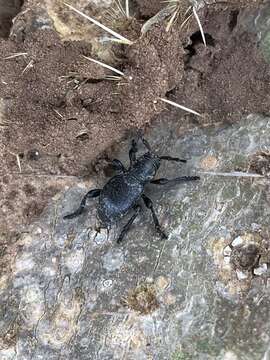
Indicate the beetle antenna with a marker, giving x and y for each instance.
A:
(146, 144)
(144, 141)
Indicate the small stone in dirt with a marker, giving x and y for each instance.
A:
(33, 154)
(227, 251)
(260, 270)
(241, 275)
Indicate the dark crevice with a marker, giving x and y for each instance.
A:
(233, 19)
(196, 39)
(8, 10)
(171, 92)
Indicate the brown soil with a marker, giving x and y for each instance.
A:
(61, 113)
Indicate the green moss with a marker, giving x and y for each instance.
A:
(265, 46)
(180, 355)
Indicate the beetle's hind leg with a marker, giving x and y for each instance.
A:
(149, 204)
(91, 194)
(169, 158)
(164, 181)
(126, 228)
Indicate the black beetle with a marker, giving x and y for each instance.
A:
(123, 191)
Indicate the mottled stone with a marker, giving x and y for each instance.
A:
(74, 293)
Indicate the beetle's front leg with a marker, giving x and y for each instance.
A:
(91, 194)
(118, 166)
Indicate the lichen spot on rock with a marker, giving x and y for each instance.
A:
(142, 299)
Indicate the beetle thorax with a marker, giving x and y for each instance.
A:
(146, 167)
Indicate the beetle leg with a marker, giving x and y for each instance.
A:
(132, 152)
(91, 194)
(178, 180)
(118, 166)
(169, 158)
(149, 204)
(126, 228)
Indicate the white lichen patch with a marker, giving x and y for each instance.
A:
(106, 285)
(229, 355)
(209, 162)
(32, 305)
(57, 330)
(3, 282)
(74, 260)
(24, 263)
(162, 283)
(8, 354)
(113, 260)
(128, 334)
(100, 237)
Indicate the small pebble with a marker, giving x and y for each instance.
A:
(237, 241)
(227, 251)
(33, 154)
(260, 270)
(241, 275)
(107, 283)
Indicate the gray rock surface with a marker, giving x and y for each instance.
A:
(69, 292)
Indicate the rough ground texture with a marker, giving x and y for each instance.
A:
(73, 293)
(58, 104)
(69, 292)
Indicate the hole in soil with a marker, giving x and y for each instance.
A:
(171, 92)
(196, 38)
(83, 137)
(8, 10)
(233, 19)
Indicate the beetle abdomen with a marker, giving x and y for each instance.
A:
(118, 196)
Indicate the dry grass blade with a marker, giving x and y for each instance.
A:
(113, 78)
(172, 19)
(15, 55)
(180, 106)
(200, 25)
(120, 7)
(185, 21)
(17, 160)
(127, 8)
(28, 66)
(120, 38)
(232, 174)
(104, 65)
